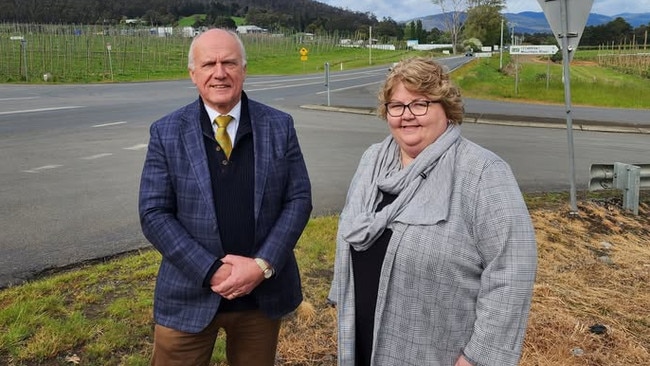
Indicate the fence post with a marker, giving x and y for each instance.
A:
(627, 177)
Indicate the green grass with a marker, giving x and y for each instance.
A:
(266, 63)
(82, 55)
(102, 312)
(590, 84)
(191, 20)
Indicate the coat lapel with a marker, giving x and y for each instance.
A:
(262, 146)
(192, 137)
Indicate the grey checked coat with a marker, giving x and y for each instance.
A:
(458, 286)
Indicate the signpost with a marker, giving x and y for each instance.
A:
(23, 48)
(110, 61)
(534, 50)
(303, 56)
(567, 19)
(327, 81)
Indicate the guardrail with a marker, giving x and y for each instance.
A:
(630, 178)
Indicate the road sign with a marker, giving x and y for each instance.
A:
(567, 18)
(534, 50)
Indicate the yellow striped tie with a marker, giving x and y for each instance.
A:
(222, 135)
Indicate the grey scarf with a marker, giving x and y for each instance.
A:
(413, 204)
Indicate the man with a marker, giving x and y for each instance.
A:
(225, 215)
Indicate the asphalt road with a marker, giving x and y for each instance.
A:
(72, 156)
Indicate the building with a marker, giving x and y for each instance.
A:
(250, 29)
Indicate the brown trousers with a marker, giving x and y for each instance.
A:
(251, 339)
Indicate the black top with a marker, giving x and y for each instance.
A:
(233, 185)
(366, 266)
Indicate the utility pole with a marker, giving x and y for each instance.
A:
(370, 46)
(23, 45)
(501, 48)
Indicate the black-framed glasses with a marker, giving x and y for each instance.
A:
(417, 107)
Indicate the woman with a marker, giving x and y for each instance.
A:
(436, 253)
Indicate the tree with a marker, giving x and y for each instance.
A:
(618, 31)
(437, 36)
(453, 10)
(472, 44)
(420, 33)
(225, 22)
(388, 28)
(484, 21)
(153, 18)
(410, 32)
(215, 12)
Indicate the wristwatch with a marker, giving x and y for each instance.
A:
(268, 271)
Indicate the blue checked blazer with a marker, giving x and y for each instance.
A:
(177, 214)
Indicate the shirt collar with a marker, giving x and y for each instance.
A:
(235, 112)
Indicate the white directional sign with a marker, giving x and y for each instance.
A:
(534, 50)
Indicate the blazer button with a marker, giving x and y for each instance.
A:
(224, 162)
(218, 148)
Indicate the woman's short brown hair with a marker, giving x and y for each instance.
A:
(427, 77)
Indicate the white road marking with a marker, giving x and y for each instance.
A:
(97, 156)
(110, 124)
(17, 98)
(350, 87)
(136, 147)
(41, 110)
(286, 86)
(45, 167)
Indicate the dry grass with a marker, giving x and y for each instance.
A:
(594, 269)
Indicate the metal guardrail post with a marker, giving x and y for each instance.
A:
(630, 178)
(627, 178)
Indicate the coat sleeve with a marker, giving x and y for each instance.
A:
(506, 243)
(159, 211)
(287, 202)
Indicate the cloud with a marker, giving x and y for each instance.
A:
(399, 10)
(403, 10)
(605, 7)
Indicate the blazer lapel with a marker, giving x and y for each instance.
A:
(192, 137)
(262, 146)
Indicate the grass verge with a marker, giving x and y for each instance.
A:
(594, 269)
(524, 79)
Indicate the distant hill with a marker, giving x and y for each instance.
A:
(535, 22)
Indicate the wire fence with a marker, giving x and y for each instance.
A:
(74, 53)
(630, 59)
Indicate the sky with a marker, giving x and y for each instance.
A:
(403, 10)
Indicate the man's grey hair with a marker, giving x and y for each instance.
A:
(242, 49)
